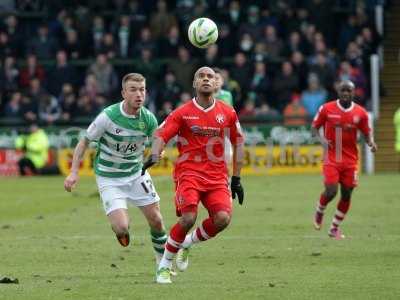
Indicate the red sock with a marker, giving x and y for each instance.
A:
(323, 202)
(176, 237)
(206, 230)
(341, 210)
(343, 205)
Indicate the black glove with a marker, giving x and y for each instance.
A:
(237, 189)
(152, 160)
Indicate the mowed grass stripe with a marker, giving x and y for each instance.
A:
(60, 245)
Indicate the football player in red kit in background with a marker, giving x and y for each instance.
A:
(200, 173)
(341, 119)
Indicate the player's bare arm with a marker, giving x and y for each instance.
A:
(157, 147)
(371, 143)
(73, 178)
(238, 155)
(321, 138)
(156, 153)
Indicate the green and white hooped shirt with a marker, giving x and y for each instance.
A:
(120, 140)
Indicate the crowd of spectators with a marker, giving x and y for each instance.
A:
(62, 60)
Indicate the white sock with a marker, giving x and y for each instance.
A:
(168, 256)
(166, 260)
(190, 240)
(158, 257)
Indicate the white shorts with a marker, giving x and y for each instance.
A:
(116, 193)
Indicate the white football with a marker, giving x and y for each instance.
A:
(203, 32)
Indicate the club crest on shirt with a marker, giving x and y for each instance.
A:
(142, 125)
(356, 119)
(180, 200)
(220, 118)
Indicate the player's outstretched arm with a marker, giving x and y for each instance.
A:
(236, 186)
(72, 179)
(156, 150)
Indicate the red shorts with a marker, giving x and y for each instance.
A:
(192, 190)
(345, 175)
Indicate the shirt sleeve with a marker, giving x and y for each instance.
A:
(236, 135)
(97, 128)
(170, 127)
(153, 124)
(363, 125)
(320, 118)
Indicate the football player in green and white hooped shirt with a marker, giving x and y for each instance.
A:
(225, 96)
(121, 131)
(220, 93)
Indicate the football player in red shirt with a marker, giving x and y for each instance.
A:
(341, 119)
(200, 172)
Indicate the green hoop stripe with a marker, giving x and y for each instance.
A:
(117, 174)
(161, 251)
(103, 141)
(110, 164)
(160, 242)
(157, 234)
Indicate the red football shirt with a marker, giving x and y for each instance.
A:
(201, 133)
(340, 128)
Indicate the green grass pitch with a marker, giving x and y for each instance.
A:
(60, 245)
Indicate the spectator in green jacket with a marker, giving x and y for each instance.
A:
(35, 146)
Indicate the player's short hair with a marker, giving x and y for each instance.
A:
(132, 77)
(196, 74)
(348, 83)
